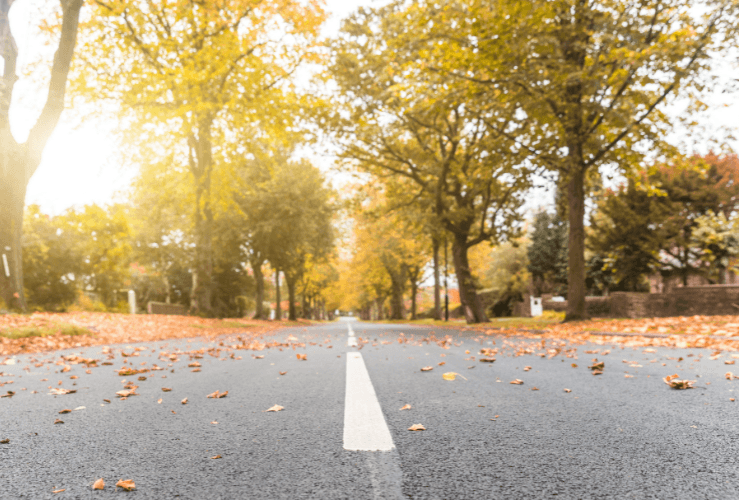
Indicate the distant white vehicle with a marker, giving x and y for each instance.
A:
(557, 299)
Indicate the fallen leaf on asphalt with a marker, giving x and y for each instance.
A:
(518, 381)
(214, 422)
(449, 376)
(731, 399)
(574, 365)
(59, 491)
(126, 484)
(292, 338)
(184, 401)
(417, 427)
(673, 382)
(597, 372)
(302, 357)
(126, 392)
(166, 389)
(99, 484)
(442, 363)
(142, 378)
(534, 388)
(526, 368)
(568, 390)
(62, 412)
(487, 360)
(406, 407)
(627, 376)
(216, 457)
(195, 370)
(261, 356)
(283, 373)
(4, 441)
(730, 376)
(649, 350)
(217, 394)
(727, 362)
(61, 392)
(194, 364)
(57, 421)
(275, 408)
(597, 366)
(74, 377)
(106, 400)
(427, 368)
(159, 401)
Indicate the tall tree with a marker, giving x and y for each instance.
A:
(398, 121)
(589, 80)
(19, 161)
(185, 70)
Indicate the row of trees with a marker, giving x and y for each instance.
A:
(455, 106)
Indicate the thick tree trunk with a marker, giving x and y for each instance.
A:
(278, 306)
(380, 302)
(471, 304)
(292, 313)
(437, 280)
(259, 298)
(414, 292)
(12, 201)
(576, 309)
(397, 309)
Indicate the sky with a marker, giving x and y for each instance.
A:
(80, 162)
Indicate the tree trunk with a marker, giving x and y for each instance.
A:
(278, 306)
(18, 162)
(414, 292)
(576, 309)
(397, 309)
(12, 201)
(292, 313)
(471, 304)
(380, 301)
(259, 279)
(437, 280)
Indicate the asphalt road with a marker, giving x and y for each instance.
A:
(612, 436)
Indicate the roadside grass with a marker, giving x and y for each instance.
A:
(241, 324)
(44, 331)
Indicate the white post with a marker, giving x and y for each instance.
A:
(132, 302)
(537, 308)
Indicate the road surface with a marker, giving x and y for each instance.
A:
(342, 433)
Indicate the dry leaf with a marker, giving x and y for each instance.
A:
(261, 356)
(106, 400)
(534, 388)
(166, 389)
(126, 484)
(731, 399)
(487, 360)
(427, 368)
(57, 421)
(283, 373)
(184, 401)
(62, 412)
(449, 376)
(574, 365)
(99, 484)
(727, 362)
(59, 491)
(442, 363)
(673, 382)
(276, 408)
(568, 390)
(4, 441)
(597, 366)
(159, 401)
(216, 457)
(194, 364)
(214, 422)
(55, 392)
(597, 372)
(417, 427)
(302, 357)
(730, 376)
(406, 407)
(195, 370)
(126, 392)
(518, 381)
(526, 368)
(217, 394)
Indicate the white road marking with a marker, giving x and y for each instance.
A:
(351, 341)
(365, 428)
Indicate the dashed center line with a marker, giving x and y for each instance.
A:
(351, 341)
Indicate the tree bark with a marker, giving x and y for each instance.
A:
(259, 279)
(380, 301)
(292, 313)
(471, 304)
(576, 309)
(437, 280)
(397, 309)
(278, 306)
(18, 162)
(414, 292)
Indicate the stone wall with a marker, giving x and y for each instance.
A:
(164, 308)
(597, 306)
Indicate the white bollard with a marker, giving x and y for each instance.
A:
(132, 302)
(537, 308)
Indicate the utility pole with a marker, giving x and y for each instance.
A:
(446, 285)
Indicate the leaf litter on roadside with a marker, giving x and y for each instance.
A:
(673, 382)
(275, 408)
(99, 484)
(126, 484)
(417, 427)
(217, 395)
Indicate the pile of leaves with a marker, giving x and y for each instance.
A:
(112, 328)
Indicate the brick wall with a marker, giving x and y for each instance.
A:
(163, 308)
